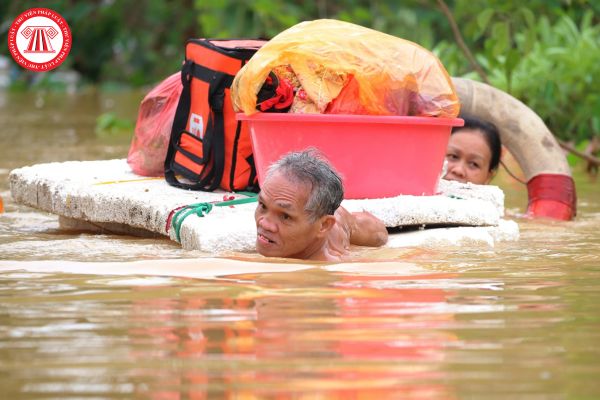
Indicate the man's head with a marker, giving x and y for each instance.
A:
(296, 205)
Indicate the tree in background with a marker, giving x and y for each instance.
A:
(546, 54)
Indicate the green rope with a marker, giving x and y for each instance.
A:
(247, 194)
(201, 209)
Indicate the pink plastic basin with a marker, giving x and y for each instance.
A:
(377, 156)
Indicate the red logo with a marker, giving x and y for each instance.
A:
(39, 39)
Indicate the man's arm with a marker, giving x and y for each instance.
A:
(365, 229)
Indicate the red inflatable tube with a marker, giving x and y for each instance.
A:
(552, 196)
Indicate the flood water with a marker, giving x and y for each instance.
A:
(103, 316)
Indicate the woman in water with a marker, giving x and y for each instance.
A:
(473, 152)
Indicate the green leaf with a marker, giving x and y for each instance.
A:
(572, 159)
(512, 60)
(108, 124)
(500, 38)
(596, 125)
(528, 16)
(500, 35)
(529, 41)
(484, 18)
(587, 20)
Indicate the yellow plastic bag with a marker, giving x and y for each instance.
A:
(349, 69)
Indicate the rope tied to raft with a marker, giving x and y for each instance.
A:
(201, 209)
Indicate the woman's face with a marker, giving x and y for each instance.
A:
(469, 157)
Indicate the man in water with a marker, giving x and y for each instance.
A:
(299, 214)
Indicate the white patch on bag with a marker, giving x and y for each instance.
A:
(196, 125)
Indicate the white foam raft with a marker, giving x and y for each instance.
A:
(107, 196)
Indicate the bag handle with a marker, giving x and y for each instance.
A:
(215, 131)
(179, 124)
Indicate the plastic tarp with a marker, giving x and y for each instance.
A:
(343, 68)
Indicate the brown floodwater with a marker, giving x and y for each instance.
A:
(101, 316)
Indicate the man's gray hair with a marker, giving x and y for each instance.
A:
(310, 167)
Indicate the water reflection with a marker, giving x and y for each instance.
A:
(338, 335)
(340, 331)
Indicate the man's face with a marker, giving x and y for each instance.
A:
(284, 228)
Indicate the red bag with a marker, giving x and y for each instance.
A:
(153, 127)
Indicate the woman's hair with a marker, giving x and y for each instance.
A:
(490, 134)
(310, 167)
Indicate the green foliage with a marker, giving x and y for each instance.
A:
(266, 18)
(491, 28)
(234, 18)
(549, 62)
(108, 124)
(558, 76)
(573, 159)
(545, 53)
